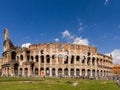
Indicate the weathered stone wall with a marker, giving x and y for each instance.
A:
(55, 59)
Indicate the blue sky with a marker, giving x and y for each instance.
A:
(92, 22)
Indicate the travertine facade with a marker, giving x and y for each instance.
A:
(0, 63)
(54, 60)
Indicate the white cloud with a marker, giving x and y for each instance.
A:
(56, 40)
(26, 45)
(74, 39)
(66, 34)
(115, 55)
(106, 1)
(79, 40)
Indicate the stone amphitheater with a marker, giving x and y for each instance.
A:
(54, 60)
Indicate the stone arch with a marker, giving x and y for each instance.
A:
(32, 58)
(66, 52)
(71, 72)
(104, 74)
(47, 71)
(83, 72)
(101, 73)
(77, 72)
(26, 72)
(21, 72)
(21, 57)
(42, 72)
(53, 72)
(88, 72)
(28, 57)
(60, 72)
(36, 71)
(93, 61)
(42, 59)
(16, 69)
(98, 73)
(77, 58)
(72, 59)
(93, 73)
(66, 71)
(88, 61)
(48, 58)
(83, 59)
(65, 59)
(37, 58)
(42, 51)
(100, 61)
(13, 55)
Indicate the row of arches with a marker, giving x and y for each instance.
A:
(66, 59)
(65, 72)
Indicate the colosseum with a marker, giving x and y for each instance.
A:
(54, 60)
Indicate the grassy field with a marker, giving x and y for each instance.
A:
(55, 84)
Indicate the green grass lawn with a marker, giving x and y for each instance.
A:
(55, 84)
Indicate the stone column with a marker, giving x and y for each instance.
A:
(50, 72)
(69, 72)
(75, 72)
(56, 72)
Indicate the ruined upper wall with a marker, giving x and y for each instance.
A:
(64, 46)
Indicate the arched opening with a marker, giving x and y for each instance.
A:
(60, 72)
(42, 59)
(16, 69)
(72, 59)
(32, 58)
(28, 57)
(93, 73)
(77, 58)
(88, 72)
(42, 72)
(21, 72)
(66, 52)
(21, 57)
(36, 71)
(13, 55)
(53, 72)
(47, 72)
(32, 67)
(104, 74)
(101, 73)
(83, 59)
(36, 58)
(26, 72)
(17, 58)
(66, 72)
(65, 59)
(88, 61)
(72, 72)
(53, 56)
(42, 51)
(93, 61)
(88, 53)
(48, 59)
(77, 72)
(83, 72)
(100, 61)
(98, 73)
